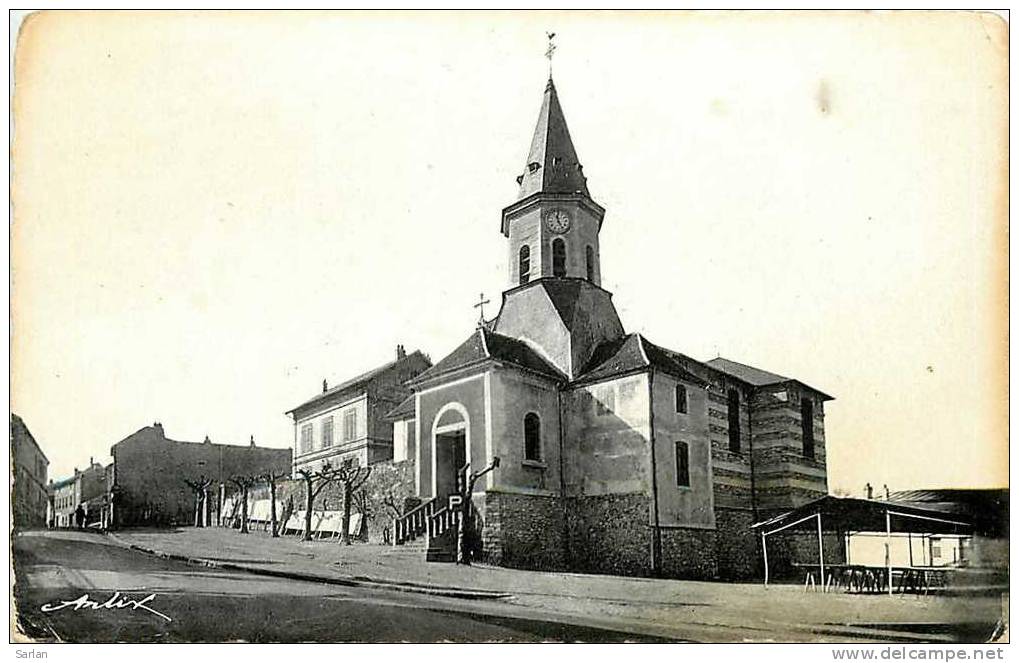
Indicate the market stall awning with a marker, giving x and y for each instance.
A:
(854, 514)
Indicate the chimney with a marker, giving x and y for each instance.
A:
(400, 353)
(870, 491)
(325, 386)
(888, 493)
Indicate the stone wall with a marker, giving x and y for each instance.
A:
(395, 479)
(610, 534)
(523, 531)
(689, 553)
(736, 545)
(787, 548)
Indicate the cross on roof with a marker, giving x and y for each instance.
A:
(550, 51)
(481, 305)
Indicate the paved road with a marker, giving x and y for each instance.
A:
(213, 605)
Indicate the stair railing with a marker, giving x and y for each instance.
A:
(414, 523)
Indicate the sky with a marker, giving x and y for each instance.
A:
(215, 212)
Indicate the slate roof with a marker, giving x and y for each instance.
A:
(358, 381)
(755, 376)
(631, 353)
(484, 345)
(749, 374)
(405, 410)
(552, 165)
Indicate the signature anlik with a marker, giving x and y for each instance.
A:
(115, 602)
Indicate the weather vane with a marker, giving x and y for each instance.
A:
(550, 51)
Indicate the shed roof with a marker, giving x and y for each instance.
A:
(854, 514)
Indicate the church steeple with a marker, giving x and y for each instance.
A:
(552, 164)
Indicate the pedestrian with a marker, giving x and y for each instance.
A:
(79, 517)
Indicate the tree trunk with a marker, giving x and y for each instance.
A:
(347, 495)
(244, 511)
(309, 501)
(272, 498)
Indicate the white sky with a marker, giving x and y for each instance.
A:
(215, 212)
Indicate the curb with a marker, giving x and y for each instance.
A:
(344, 581)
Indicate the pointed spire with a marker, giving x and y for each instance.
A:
(552, 164)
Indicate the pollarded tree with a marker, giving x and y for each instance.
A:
(271, 479)
(201, 490)
(352, 479)
(314, 482)
(244, 483)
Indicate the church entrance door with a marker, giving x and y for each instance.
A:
(450, 456)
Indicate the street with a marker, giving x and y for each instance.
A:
(213, 605)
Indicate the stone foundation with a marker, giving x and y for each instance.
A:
(689, 553)
(522, 531)
(610, 534)
(736, 545)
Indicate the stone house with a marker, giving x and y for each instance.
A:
(149, 473)
(345, 423)
(29, 497)
(617, 455)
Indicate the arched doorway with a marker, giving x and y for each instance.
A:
(450, 440)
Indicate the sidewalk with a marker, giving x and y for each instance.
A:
(660, 607)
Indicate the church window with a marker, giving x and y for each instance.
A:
(682, 464)
(807, 424)
(532, 437)
(306, 437)
(734, 421)
(327, 432)
(590, 264)
(349, 425)
(525, 264)
(558, 257)
(605, 402)
(681, 399)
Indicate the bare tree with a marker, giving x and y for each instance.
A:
(201, 491)
(314, 482)
(352, 479)
(465, 528)
(271, 479)
(244, 483)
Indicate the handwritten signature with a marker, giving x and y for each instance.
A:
(115, 602)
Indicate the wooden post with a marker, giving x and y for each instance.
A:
(764, 550)
(888, 548)
(820, 551)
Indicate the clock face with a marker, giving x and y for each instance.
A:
(557, 221)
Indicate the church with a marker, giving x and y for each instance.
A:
(616, 455)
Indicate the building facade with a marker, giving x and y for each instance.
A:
(148, 479)
(617, 455)
(29, 497)
(64, 498)
(347, 424)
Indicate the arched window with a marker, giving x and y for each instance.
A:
(590, 263)
(532, 437)
(558, 257)
(525, 264)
